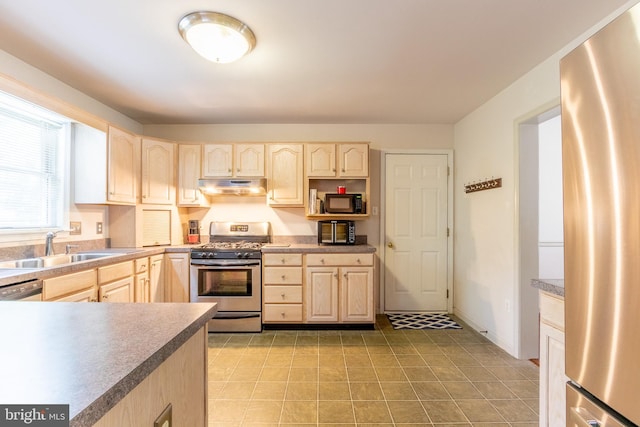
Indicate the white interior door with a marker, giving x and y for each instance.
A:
(416, 241)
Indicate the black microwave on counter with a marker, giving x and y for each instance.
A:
(336, 232)
(343, 203)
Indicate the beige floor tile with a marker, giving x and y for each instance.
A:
(245, 373)
(300, 411)
(477, 373)
(398, 391)
(406, 360)
(361, 374)
(494, 390)
(437, 359)
(274, 373)
(227, 410)
(338, 373)
(462, 390)
(420, 374)
(372, 412)
(479, 411)
(303, 374)
(237, 390)
(523, 389)
(430, 390)
(338, 390)
(335, 412)
(263, 411)
(444, 411)
(448, 373)
(304, 360)
(387, 360)
(390, 374)
(305, 390)
(269, 390)
(357, 360)
(514, 410)
(410, 412)
(366, 391)
(507, 373)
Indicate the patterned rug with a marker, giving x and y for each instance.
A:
(422, 321)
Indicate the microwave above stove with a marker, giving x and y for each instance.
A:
(343, 203)
(336, 232)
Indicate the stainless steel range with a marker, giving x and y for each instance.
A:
(227, 270)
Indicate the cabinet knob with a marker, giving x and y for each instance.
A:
(390, 245)
(358, 261)
(322, 261)
(283, 277)
(344, 275)
(282, 314)
(105, 296)
(282, 260)
(335, 275)
(229, 170)
(282, 295)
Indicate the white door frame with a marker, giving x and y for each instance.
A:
(383, 201)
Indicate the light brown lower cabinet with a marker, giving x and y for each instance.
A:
(80, 286)
(282, 288)
(180, 381)
(116, 282)
(176, 267)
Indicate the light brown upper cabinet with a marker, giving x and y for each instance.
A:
(157, 172)
(106, 167)
(285, 175)
(233, 160)
(189, 157)
(337, 160)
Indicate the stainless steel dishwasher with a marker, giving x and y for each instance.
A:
(25, 291)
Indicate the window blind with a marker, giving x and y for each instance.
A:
(31, 166)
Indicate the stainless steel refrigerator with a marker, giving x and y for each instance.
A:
(600, 92)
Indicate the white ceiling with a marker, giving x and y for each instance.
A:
(329, 61)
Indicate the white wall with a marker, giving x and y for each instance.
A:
(485, 237)
(550, 227)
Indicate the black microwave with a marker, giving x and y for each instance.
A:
(343, 203)
(336, 232)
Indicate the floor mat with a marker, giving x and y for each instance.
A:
(422, 321)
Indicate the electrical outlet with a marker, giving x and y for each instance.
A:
(75, 227)
(374, 210)
(98, 228)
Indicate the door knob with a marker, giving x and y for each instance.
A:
(390, 245)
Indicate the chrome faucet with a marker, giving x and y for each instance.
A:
(48, 244)
(67, 248)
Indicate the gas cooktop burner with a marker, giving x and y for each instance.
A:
(244, 245)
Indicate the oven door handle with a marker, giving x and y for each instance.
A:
(218, 263)
(232, 315)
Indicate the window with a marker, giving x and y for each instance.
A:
(33, 145)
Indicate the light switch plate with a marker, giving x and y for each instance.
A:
(164, 420)
(75, 227)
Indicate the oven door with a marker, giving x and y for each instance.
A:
(234, 286)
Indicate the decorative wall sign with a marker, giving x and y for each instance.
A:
(487, 184)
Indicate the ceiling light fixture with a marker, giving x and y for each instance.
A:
(217, 37)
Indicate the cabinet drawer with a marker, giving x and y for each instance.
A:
(552, 310)
(63, 285)
(282, 313)
(282, 259)
(141, 265)
(282, 276)
(340, 259)
(282, 294)
(115, 272)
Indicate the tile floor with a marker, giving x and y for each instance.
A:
(381, 377)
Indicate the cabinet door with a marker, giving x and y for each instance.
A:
(249, 160)
(188, 174)
(356, 294)
(122, 166)
(118, 291)
(141, 288)
(217, 160)
(354, 160)
(156, 279)
(321, 294)
(157, 172)
(177, 277)
(320, 160)
(285, 178)
(88, 295)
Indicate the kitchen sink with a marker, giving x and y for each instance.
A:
(53, 260)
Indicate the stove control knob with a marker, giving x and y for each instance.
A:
(247, 255)
(238, 254)
(209, 254)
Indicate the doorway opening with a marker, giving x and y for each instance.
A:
(539, 229)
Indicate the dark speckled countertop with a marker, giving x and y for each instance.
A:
(88, 355)
(553, 286)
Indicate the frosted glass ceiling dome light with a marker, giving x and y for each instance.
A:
(217, 37)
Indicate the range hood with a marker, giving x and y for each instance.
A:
(233, 187)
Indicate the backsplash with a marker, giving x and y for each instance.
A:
(30, 251)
